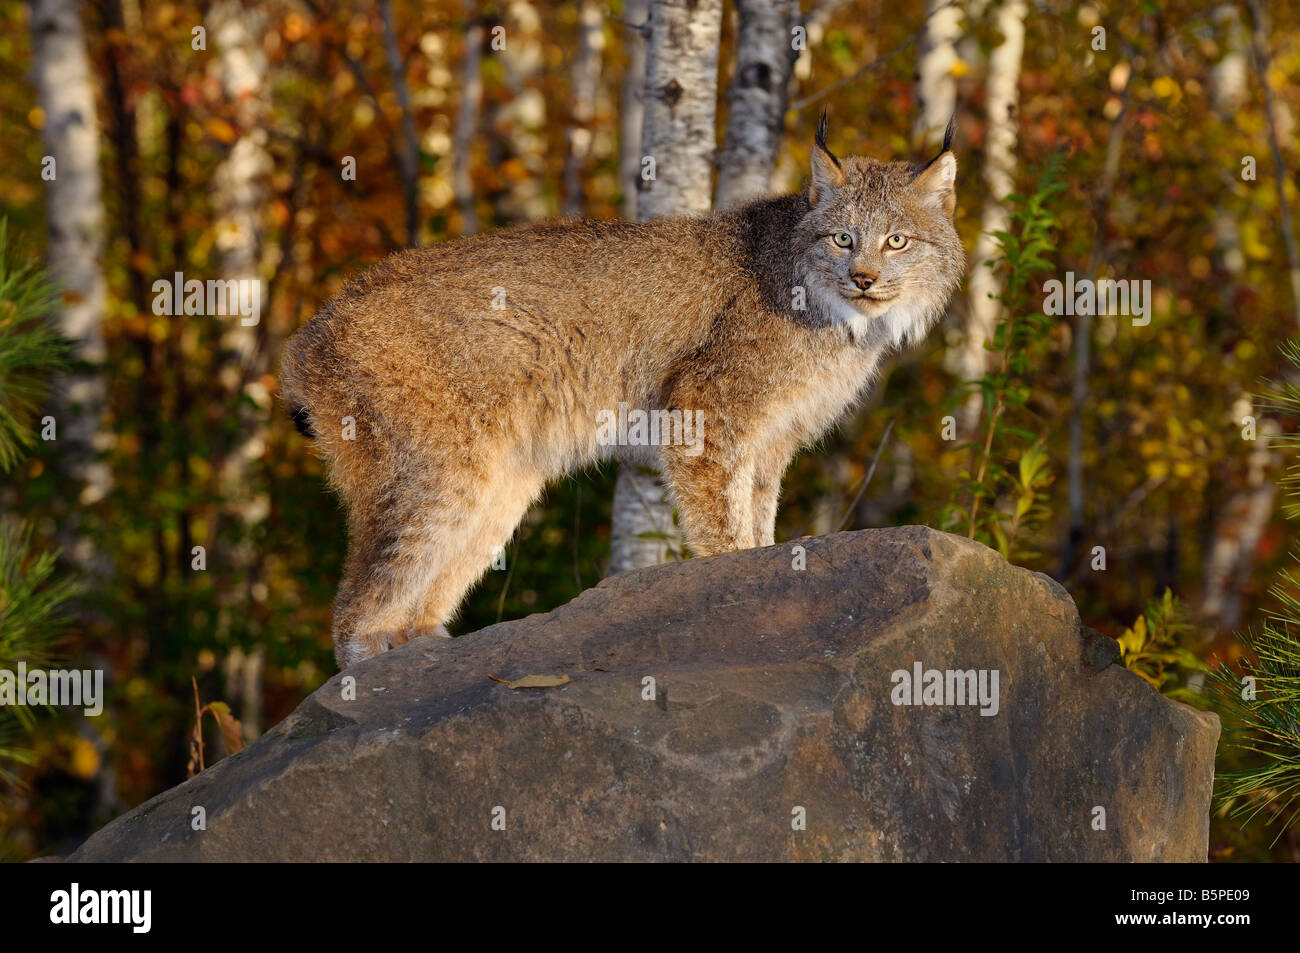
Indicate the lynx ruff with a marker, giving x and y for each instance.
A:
(768, 321)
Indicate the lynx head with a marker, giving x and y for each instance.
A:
(877, 251)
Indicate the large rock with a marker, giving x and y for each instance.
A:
(774, 700)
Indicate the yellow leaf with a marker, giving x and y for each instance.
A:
(83, 760)
(232, 732)
(539, 681)
(1133, 639)
(1164, 87)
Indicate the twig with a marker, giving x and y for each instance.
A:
(641, 28)
(998, 407)
(879, 60)
(505, 587)
(354, 65)
(327, 160)
(198, 720)
(577, 516)
(866, 481)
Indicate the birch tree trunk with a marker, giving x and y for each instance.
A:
(678, 135)
(471, 103)
(1228, 96)
(936, 86)
(65, 90)
(1238, 529)
(632, 111)
(1003, 99)
(586, 82)
(681, 87)
(1240, 521)
(757, 97)
(240, 197)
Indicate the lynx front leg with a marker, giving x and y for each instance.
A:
(767, 490)
(715, 497)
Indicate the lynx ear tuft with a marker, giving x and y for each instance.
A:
(937, 182)
(823, 124)
(826, 171)
(948, 134)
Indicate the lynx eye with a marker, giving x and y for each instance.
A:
(842, 239)
(896, 242)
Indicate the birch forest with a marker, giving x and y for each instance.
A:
(162, 521)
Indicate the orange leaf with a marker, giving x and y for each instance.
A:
(220, 130)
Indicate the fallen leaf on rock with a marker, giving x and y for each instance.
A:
(539, 681)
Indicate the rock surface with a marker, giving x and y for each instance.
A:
(773, 703)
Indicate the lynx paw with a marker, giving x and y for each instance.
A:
(359, 649)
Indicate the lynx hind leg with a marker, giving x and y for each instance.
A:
(378, 587)
(480, 538)
(409, 567)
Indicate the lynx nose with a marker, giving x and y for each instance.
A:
(863, 280)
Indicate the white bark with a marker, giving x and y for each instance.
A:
(1002, 93)
(1228, 91)
(1240, 522)
(678, 134)
(586, 81)
(680, 106)
(239, 185)
(1237, 532)
(757, 99)
(632, 111)
(1228, 95)
(936, 85)
(240, 198)
(244, 674)
(642, 530)
(65, 90)
(471, 103)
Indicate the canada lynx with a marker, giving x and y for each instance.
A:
(447, 385)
